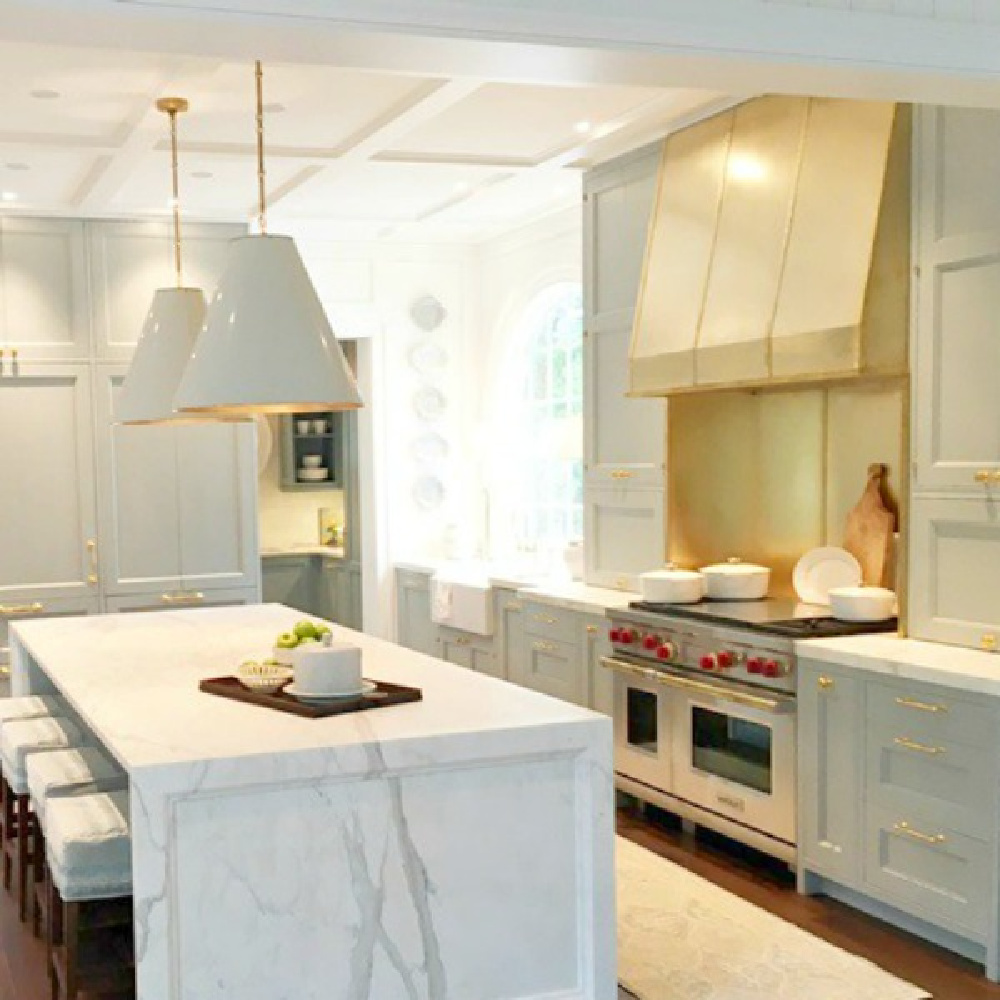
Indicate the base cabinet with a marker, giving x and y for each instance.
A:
(508, 618)
(595, 643)
(182, 600)
(467, 650)
(552, 659)
(290, 580)
(899, 799)
(414, 628)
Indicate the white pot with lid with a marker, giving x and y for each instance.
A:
(671, 585)
(735, 580)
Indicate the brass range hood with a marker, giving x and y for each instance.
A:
(778, 249)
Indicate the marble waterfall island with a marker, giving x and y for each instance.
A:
(456, 848)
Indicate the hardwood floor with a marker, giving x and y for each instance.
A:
(768, 884)
(761, 881)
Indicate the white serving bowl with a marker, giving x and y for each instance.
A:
(735, 580)
(312, 461)
(672, 586)
(313, 475)
(862, 604)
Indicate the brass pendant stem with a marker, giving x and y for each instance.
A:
(261, 198)
(172, 106)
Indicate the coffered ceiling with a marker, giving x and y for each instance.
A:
(372, 152)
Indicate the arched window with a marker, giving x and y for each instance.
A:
(540, 478)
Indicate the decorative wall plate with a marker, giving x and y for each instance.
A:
(427, 313)
(428, 492)
(429, 403)
(429, 448)
(427, 356)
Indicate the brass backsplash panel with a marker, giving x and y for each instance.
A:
(767, 475)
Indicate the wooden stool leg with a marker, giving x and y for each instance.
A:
(37, 875)
(71, 937)
(22, 856)
(8, 832)
(53, 931)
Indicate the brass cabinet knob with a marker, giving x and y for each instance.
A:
(825, 683)
(591, 629)
(982, 476)
(988, 642)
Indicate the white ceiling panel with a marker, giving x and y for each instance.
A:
(390, 191)
(230, 191)
(319, 107)
(517, 200)
(518, 120)
(42, 179)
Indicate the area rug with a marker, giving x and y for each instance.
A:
(683, 938)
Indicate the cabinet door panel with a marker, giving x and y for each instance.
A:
(555, 668)
(46, 453)
(830, 720)
(955, 570)
(138, 487)
(130, 261)
(414, 628)
(508, 616)
(289, 580)
(595, 643)
(218, 505)
(625, 535)
(44, 289)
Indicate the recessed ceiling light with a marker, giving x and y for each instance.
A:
(43, 94)
(202, 175)
(9, 196)
(17, 165)
(274, 108)
(583, 127)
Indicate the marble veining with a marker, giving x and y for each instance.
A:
(386, 855)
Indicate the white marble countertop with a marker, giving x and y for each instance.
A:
(302, 549)
(577, 596)
(133, 678)
(911, 659)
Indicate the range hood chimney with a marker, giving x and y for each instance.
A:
(778, 249)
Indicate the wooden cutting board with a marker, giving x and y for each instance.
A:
(870, 525)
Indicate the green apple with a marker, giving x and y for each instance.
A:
(322, 630)
(305, 630)
(287, 640)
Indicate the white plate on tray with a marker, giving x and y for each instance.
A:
(821, 569)
(367, 687)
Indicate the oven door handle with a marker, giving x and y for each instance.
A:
(734, 695)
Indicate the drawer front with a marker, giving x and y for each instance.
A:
(930, 715)
(944, 782)
(929, 871)
(547, 622)
(457, 638)
(555, 668)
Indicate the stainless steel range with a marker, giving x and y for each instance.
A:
(704, 710)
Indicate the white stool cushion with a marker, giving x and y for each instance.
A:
(30, 707)
(22, 737)
(54, 774)
(88, 846)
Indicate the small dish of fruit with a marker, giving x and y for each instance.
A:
(302, 633)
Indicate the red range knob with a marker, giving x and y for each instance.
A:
(772, 668)
(725, 659)
(615, 635)
(650, 642)
(707, 662)
(666, 651)
(755, 665)
(627, 636)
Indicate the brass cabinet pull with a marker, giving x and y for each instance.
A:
(622, 473)
(35, 608)
(906, 830)
(92, 551)
(514, 606)
(903, 741)
(982, 476)
(921, 706)
(544, 647)
(462, 641)
(183, 597)
(591, 629)
(988, 642)
(544, 619)
(825, 683)
(5, 671)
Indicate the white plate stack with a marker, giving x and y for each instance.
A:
(312, 469)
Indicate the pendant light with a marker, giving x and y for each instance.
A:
(267, 346)
(171, 328)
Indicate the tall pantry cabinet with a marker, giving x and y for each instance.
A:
(955, 502)
(624, 439)
(92, 516)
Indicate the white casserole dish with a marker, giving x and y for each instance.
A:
(862, 604)
(672, 586)
(735, 580)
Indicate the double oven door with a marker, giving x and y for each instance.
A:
(722, 746)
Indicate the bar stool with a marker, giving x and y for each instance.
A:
(89, 854)
(18, 739)
(56, 774)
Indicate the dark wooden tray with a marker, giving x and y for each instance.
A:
(384, 694)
